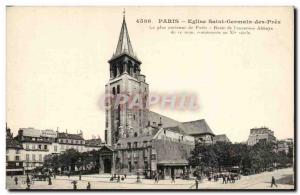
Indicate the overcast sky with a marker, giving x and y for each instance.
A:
(57, 67)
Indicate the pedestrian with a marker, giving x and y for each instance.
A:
(228, 179)
(49, 181)
(118, 180)
(173, 178)
(74, 185)
(125, 176)
(54, 175)
(28, 180)
(79, 176)
(224, 179)
(88, 187)
(273, 182)
(122, 178)
(156, 178)
(196, 183)
(232, 178)
(16, 180)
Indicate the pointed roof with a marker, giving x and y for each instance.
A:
(124, 45)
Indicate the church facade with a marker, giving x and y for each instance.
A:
(138, 139)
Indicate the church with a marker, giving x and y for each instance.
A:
(139, 140)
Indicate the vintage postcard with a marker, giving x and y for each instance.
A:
(150, 98)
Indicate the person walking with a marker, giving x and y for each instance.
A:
(196, 183)
(16, 180)
(88, 187)
(27, 180)
(156, 178)
(173, 178)
(273, 182)
(49, 180)
(74, 185)
(224, 179)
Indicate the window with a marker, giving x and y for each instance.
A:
(114, 91)
(134, 117)
(17, 164)
(17, 158)
(118, 89)
(129, 145)
(145, 143)
(45, 147)
(17, 151)
(153, 157)
(55, 148)
(33, 146)
(7, 151)
(40, 147)
(33, 157)
(40, 157)
(27, 157)
(7, 158)
(27, 146)
(135, 134)
(135, 144)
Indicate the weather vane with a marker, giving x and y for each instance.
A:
(124, 13)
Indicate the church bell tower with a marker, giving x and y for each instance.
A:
(124, 120)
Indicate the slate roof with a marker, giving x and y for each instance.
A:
(190, 127)
(69, 136)
(167, 122)
(197, 127)
(124, 44)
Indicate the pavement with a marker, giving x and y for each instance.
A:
(258, 181)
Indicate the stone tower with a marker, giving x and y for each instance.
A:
(125, 120)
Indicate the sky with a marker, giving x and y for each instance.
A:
(57, 67)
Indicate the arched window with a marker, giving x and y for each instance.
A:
(121, 68)
(114, 91)
(118, 89)
(115, 71)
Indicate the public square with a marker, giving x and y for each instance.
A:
(258, 181)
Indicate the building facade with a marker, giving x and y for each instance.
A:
(221, 138)
(29, 148)
(262, 134)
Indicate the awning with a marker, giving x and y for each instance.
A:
(173, 162)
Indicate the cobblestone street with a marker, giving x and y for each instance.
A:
(259, 181)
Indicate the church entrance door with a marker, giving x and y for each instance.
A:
(107, 165)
